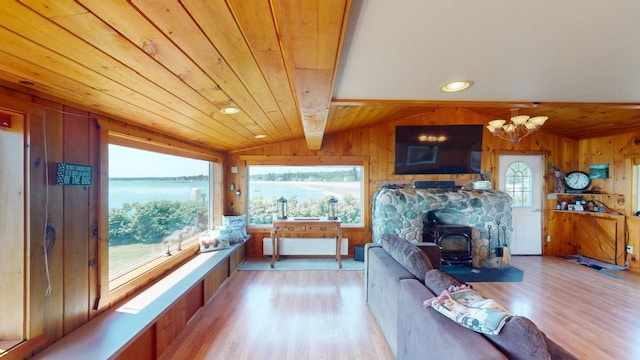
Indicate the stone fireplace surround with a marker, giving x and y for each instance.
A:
(402, 211)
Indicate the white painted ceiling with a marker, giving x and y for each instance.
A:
(536, 51)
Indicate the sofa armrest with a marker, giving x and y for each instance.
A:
(367, 247)
(433, 252)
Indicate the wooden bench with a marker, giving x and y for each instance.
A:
(144, 326)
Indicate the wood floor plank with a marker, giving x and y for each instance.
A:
(322, 314)
(593, 315)
(285, 315)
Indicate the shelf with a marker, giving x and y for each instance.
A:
(590, 213)
(582, 194)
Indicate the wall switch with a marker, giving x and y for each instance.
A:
(548, 238)
(629, 249)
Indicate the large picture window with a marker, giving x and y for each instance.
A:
(157, 204)
(307, 190)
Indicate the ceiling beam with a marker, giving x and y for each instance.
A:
(311, 34)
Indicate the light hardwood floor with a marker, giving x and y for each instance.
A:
(322, 314)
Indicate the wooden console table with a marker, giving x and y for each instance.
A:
(302, 226)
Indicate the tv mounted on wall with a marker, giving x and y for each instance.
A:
(438, 149)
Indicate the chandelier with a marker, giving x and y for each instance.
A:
(519, 127)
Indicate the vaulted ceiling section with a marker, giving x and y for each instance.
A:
(172, 66)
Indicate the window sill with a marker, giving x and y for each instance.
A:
(142, 276)
(112, 331)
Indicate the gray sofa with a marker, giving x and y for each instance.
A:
(400, 275)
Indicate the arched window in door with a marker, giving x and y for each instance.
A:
(519, 181)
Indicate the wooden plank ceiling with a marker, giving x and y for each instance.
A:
(172, 65)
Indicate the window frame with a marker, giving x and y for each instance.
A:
(250, 160)
(124, 285)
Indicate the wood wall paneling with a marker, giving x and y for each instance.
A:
(77, 227)
(46, 287)
(376, 144)
(142, 348)
(214, 280)
(634, 240)
(600, 237)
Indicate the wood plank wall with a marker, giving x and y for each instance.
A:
(55, 133)
(376, 143)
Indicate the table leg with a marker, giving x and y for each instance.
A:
(338, 248)
(274, 248)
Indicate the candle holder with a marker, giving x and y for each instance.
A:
(282, 208)
(333, 215)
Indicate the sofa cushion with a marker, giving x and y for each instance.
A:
(438, 281)
(520, 338)
(407, 254)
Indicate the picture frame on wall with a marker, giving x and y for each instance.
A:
(599, 171)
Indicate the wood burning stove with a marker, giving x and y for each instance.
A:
(454, 242)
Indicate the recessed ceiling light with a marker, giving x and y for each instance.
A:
(261, 136)
(229, 110)
(455, 86)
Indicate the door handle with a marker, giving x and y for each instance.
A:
(537, 210)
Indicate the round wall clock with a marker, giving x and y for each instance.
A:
(577, 180)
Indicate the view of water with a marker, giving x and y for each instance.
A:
(301, 190)
(121, 191)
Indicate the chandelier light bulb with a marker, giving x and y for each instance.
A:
(518, 127)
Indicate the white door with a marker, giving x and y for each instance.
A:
(521, 178)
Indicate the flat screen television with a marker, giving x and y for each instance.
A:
(438, 149)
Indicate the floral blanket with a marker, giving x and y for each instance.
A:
(470, 309)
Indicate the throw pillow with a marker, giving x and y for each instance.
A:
(231, 234)
(238, 222)
(521, 339)
(407, 254)
(213, 242)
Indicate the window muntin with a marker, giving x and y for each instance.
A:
(519, 181)
(157, 203)
(307, 190)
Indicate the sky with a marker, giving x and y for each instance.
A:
(129, 162)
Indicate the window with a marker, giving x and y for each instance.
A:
(307, 190)
(13, 259)
(157, 204)
(519, 180)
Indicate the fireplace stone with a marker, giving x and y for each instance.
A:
(403, 210)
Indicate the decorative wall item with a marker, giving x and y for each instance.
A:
(73, 174)
(599, 171)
